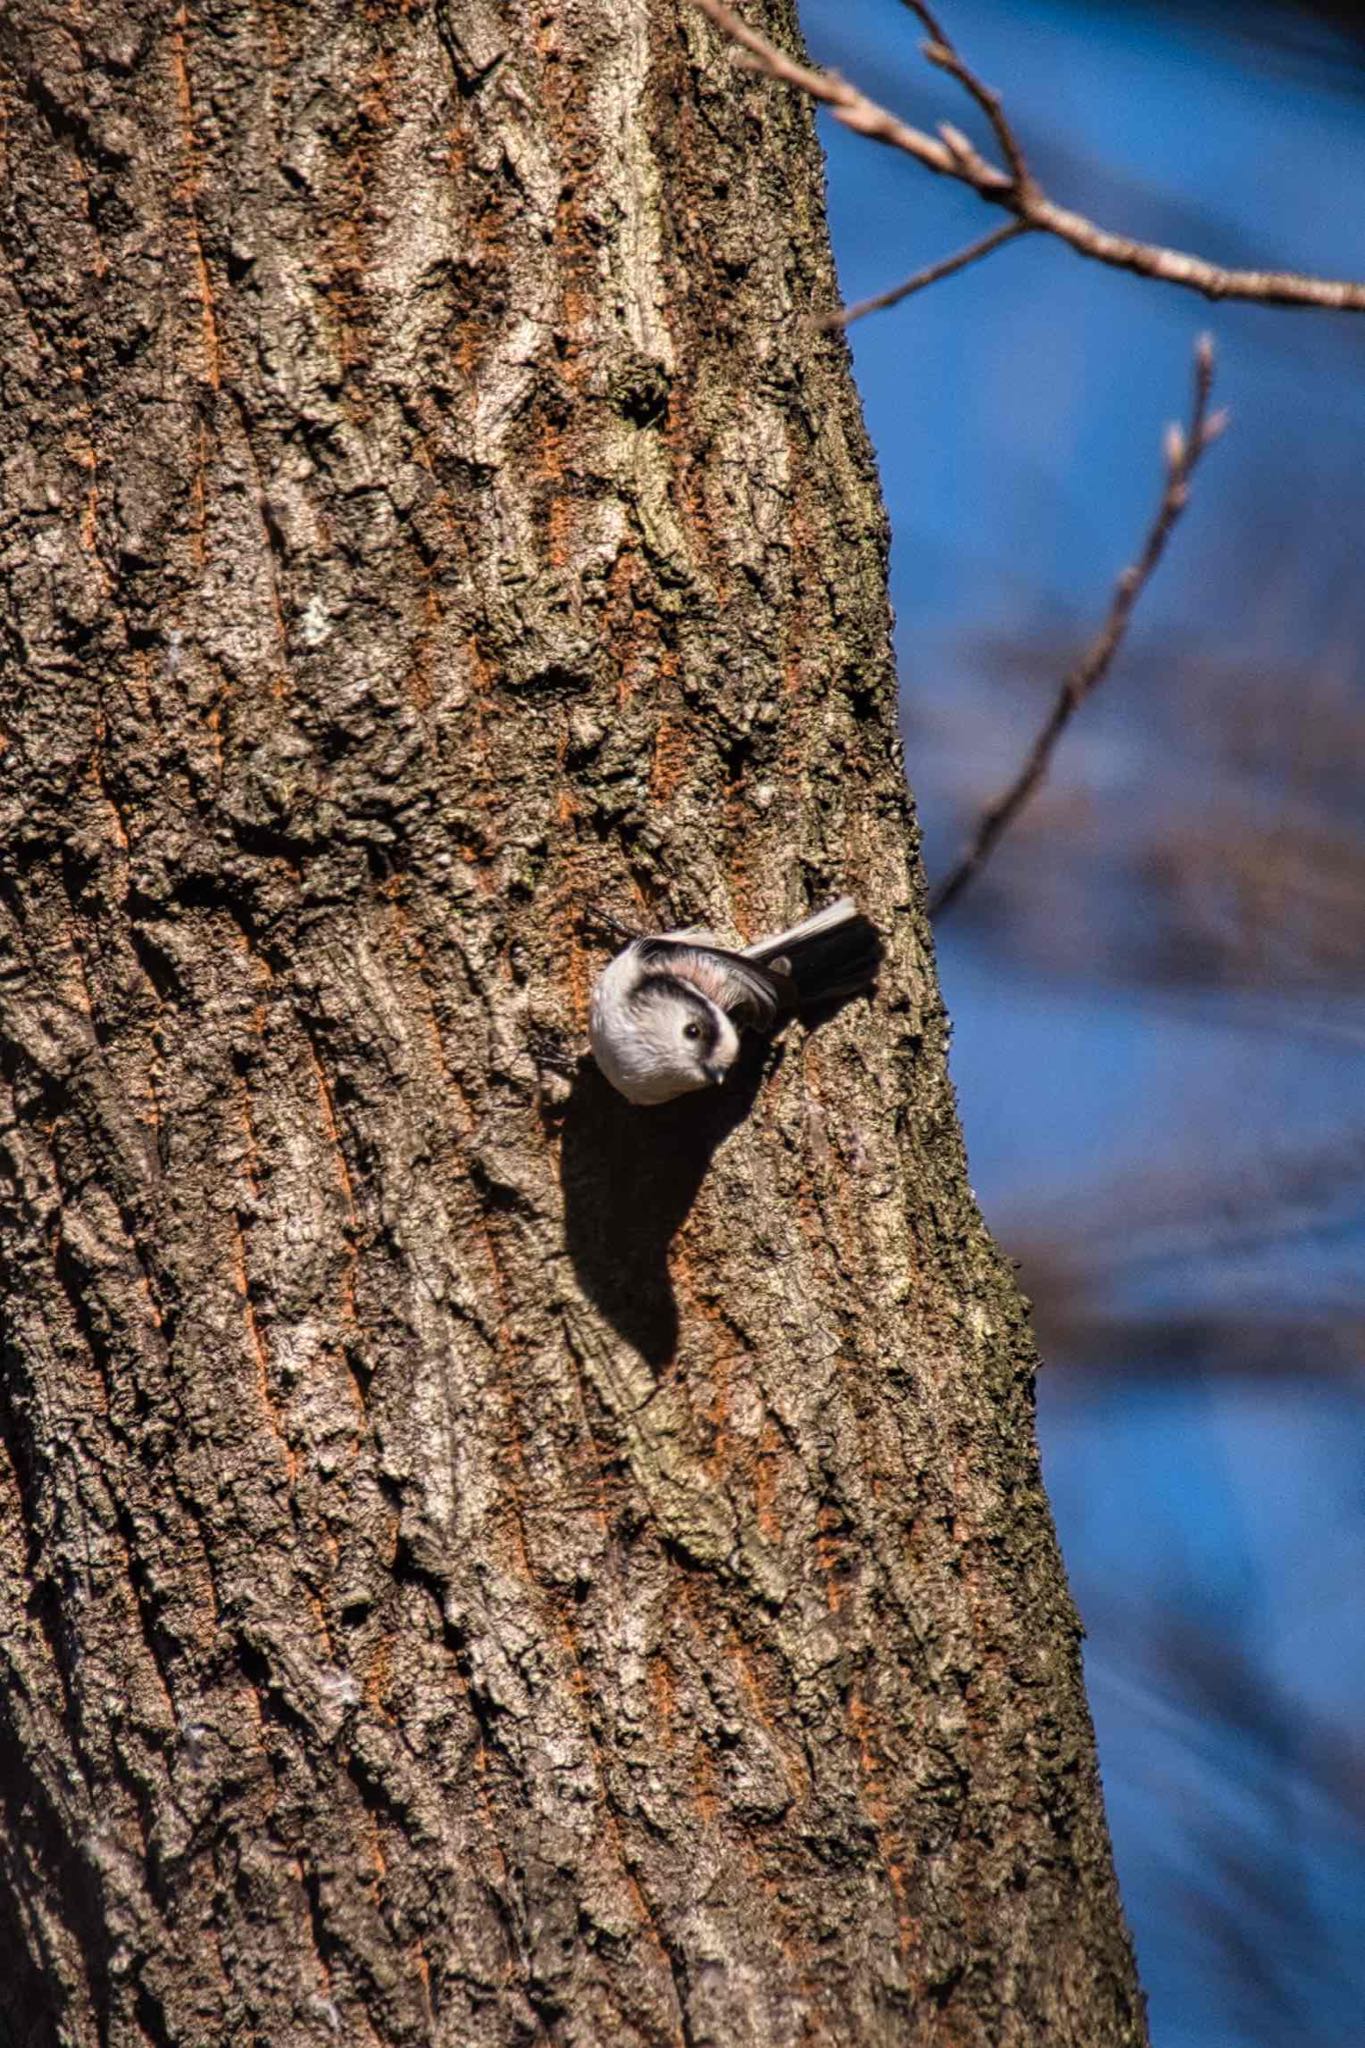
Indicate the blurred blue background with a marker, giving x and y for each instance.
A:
(1158, 986)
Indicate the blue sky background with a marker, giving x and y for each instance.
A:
(1168, 1128)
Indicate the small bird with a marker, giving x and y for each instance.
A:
(667, 1012)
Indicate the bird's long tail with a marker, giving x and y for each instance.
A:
(826, 957)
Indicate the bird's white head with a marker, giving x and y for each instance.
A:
(663, 1038)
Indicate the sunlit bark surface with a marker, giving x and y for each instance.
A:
(479, 1564)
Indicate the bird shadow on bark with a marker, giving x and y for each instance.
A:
(629, 1178)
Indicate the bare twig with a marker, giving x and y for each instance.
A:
(853, 108)
(941, 50)
(951, 155)
(1184, 446)
(931, 274)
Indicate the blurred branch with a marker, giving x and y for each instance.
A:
(1184, 448)
(951, 155)
(931, 274)
(940, 51)
(1234, 1205)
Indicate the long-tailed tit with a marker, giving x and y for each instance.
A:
(668, 1011)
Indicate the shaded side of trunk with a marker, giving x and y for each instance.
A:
(479, 1564)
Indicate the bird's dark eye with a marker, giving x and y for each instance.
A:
(691, 1031)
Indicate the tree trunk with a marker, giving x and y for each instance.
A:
(479, 1563)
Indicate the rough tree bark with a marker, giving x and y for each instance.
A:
(479, 1564)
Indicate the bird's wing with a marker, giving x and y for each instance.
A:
(747, 993)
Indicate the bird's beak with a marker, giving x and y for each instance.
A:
(716, 1075)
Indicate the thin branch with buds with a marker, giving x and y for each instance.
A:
(941, 51)
(951, 155)
(1184, 447)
